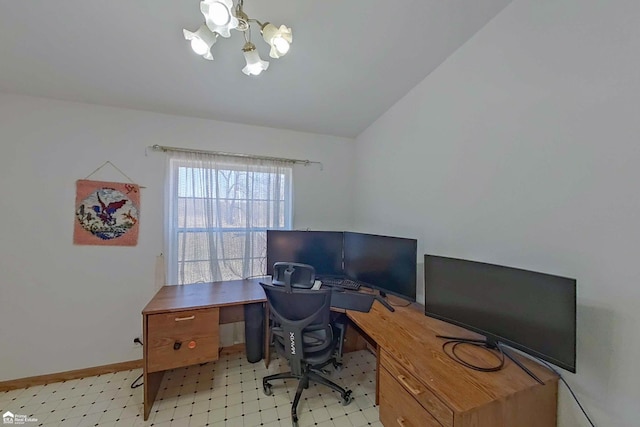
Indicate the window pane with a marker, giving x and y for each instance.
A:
(194, 272)
(219, 216)
(193, 246)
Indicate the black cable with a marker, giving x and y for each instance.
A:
(398, 305)
(520, 365)
(134, 385)
(386, 298)
(569, 387)
(452, 354)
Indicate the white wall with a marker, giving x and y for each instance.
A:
(522, 149)
(65, 307)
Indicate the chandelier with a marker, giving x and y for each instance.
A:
(221, 17)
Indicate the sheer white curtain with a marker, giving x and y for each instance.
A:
(218, 209)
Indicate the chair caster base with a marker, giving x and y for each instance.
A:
(267, 389)
(347, 398)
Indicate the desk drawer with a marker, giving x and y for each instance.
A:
(196, 331)
(398, 408)
(413, 387)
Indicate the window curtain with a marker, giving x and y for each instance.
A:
(218, 209)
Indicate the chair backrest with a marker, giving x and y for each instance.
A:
(301, 321)
(293, 275)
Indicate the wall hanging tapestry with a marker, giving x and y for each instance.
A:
(107, 213)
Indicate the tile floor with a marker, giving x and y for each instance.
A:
(224, 393)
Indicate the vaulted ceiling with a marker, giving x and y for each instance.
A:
(349, 61)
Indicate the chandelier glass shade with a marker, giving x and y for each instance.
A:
(201, 41)
(255, 65)
(220, 17)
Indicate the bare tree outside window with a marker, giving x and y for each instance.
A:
(218, 212)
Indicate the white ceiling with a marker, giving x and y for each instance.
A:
(349, 61)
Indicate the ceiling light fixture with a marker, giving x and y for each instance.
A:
(221, 17)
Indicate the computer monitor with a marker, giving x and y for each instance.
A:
(532, 312)
(382, 262)
(321, 249)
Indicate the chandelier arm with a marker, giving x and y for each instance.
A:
(247, 38)
(240, 12)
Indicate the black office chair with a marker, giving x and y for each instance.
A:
(301, 329)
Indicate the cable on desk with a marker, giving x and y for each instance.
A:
(398, 305)
(569, 387)
(453, 355)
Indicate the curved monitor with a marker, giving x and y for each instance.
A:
(382, 262)
(532, 312)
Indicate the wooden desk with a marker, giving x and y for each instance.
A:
(419, 385)
(181, 326)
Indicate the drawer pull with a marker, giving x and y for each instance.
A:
(400, 421)
(405, 382)
(180, 319)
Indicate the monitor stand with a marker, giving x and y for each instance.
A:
(491, 344)
(383, 301)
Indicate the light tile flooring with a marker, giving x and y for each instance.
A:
(224, 393)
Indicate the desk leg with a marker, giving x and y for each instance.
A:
(377, 375)
(267, 337)
(151, 386)
(151, 381)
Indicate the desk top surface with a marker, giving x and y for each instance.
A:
(410, 337)
(205, 295)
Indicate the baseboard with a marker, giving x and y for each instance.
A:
(91, 372)
(69, 375)
(232, 349)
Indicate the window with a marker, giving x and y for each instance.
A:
(218, 211)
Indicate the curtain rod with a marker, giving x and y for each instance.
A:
(164, 148)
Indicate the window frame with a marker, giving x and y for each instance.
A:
(173, 230)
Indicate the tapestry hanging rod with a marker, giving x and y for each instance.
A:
(164, 148)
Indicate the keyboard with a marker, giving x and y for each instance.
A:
(336, 282)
